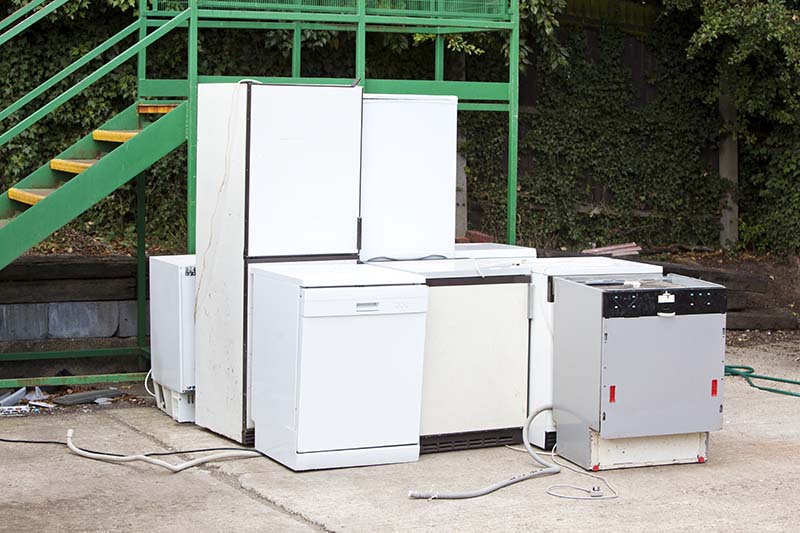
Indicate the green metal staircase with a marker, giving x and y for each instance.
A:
(92, 168)
(85, 173)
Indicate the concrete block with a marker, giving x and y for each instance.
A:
(82, 319)
(127, 319)
(23, 322)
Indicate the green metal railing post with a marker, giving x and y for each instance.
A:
(439, 59)
(361, 42)
(513, 126)
(191, 143)
(141, 61)
(297, 43)
(141, 268)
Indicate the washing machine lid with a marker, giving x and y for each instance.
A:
(456, 268)
(326, 274)
(492, 250)
(579, 266)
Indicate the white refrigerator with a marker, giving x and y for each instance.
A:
(277, 179)
(408, 176)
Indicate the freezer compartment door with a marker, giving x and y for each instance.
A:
(304, 167)
(662, 375)
(360, 381)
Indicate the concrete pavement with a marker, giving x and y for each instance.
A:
(751, 481)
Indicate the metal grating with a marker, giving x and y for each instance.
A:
(469, 9)
(470, 440)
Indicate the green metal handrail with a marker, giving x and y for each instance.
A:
(19, 13)
(76, 89)
(30, 21)
(38, 91)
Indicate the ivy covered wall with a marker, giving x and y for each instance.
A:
(598, 165)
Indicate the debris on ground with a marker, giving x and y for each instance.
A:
(12, 398)
(14, 410)
(88, 396)
(617, 250)
(36, 395)
(46, 405)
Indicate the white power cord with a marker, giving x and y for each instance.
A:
(547, 470)
(158, 462)
(593, 494)
(146, 379)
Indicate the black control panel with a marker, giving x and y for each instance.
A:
(633, 302)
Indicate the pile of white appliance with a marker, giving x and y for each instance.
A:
(333, 321)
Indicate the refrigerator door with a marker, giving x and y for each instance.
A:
(408, 176)
(360, 374)
(303, 179)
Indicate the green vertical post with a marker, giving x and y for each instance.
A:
(361, 42)
(141, 263)
(513, 126)
(141, 61)
(297, 43)
(439, 61)
(191, 144)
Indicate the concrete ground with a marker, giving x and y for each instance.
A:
(751, 481)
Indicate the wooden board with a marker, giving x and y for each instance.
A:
(47, 267)
(731, 279)
(75, 290)
(762, 319)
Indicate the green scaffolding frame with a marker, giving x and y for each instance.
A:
(158, 17)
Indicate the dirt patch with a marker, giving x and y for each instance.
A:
(750, 338)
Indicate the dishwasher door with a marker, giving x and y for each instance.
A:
(662, 375)
(360, 367)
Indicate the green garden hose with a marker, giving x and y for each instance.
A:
(748, 373)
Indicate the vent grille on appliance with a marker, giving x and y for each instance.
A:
(469, 441)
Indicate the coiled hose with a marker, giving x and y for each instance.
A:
(749, 374)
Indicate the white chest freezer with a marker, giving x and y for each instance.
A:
(492, 250)
(475, 379)
(543, 270)
(408, 176)
(172, 297)
(337, 354)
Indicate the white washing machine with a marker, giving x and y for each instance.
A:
(337, 354)
(475, 378)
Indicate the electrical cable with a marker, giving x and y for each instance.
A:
(748, 373)
(146, 378)
(593, 493)
(547, 470)
(149, 454)
(157, 462)
(382, 258)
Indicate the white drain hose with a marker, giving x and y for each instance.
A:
(547, 470)
(169, 466)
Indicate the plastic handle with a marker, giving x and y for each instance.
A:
(667, 314)
(363, 307)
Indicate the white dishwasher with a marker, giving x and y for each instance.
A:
(337, 352)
